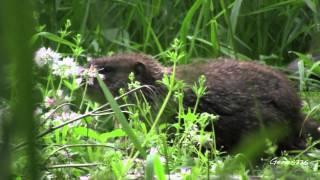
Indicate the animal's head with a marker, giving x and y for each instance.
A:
(116, 69)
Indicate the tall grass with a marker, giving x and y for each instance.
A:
(253, 29)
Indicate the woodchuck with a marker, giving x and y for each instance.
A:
(245, 95)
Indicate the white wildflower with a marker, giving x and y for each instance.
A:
(46, 56)
(90, 81)
(66, 68)
(67, 98)
(101, 76)
(38, 111)
(65, 116)
(90, 74)
(47, 115)
(89, 59)
(78, 81)
(194, 130)
(59, 93)
(185, 170)
(48, 102)
(84, 178)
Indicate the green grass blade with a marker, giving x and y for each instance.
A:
(235, 14)
(214, 37)
(187, 21)
(231, 32)
(54, 38)
(158, 168)
(272, 7)
(120, 117)
(149, 167)
(311, 5)
(154, 167)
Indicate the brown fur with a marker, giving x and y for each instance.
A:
(246, 96)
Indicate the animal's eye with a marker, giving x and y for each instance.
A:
(106, 70)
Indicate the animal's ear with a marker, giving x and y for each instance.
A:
(139, 69)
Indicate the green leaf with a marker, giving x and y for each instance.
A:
(68, 85)
(113, 134)
(54, 38)
(82, 131)
(315, 68)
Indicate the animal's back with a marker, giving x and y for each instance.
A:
(247, 96)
